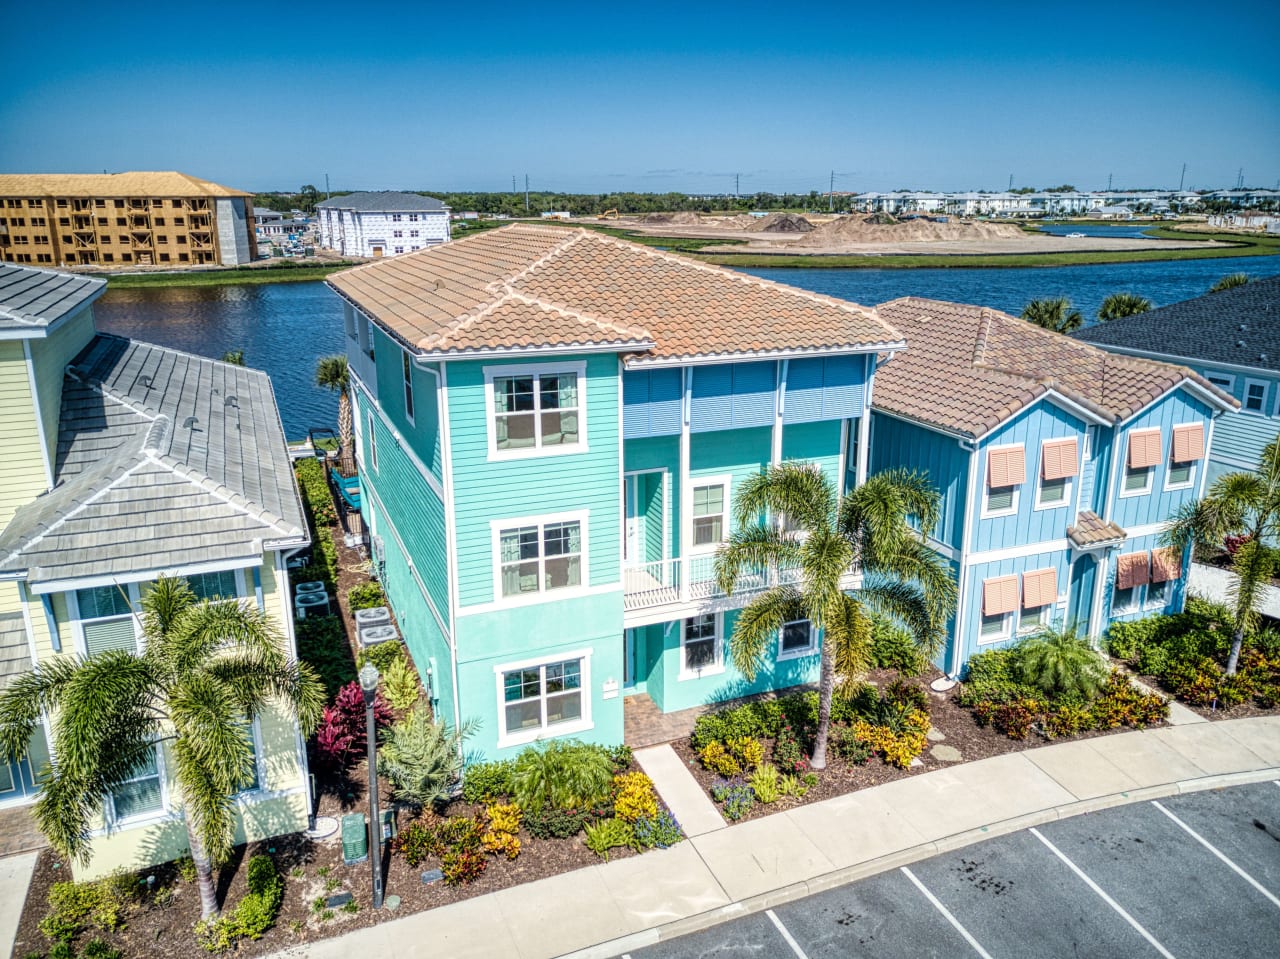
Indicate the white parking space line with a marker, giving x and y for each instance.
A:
(1207, 845)
(1103, 895)
(946, 914)
(795, 946)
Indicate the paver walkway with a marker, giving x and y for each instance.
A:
(687, 800)
(611, 908)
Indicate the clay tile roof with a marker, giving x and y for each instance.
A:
(969, 368)
(1092, 530)
(530, 286)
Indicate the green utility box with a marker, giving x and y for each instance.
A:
(355, 838)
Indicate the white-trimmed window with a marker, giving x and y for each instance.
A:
(999, 605)
(1006, 472)
(1158, 594)
(701, 652)
(142, 795)
(1255, 396)
(224, 584)
(1126, 599)
(106, 619)
(1039, 595)
(1180, 475)
(796, 638)
(1142, 455)
(1133, 573)
(543, 697)
(1059, 463)
(535, 410)
(994, 627)
(1224, 381)
(252, 735)
(407, 366)
(537, 556)
(709, 514)
(373, 443)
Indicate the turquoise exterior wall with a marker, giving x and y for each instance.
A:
(896, 443)
(814, 443)
(423, 432)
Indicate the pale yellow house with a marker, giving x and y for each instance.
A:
(122, 462)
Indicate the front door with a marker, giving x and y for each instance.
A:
(1081, 599)
(377, 251)
(631, 548)
(643, 540)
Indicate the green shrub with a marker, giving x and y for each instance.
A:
(421, 758)
(1058, 662)
(73, 906)
(846, 744)
(322, 644)
(253, 915)
(764, 783)
(400, 684)
(366, 596)
(661, 831)
(315, 492)
(610, 834)
(463, 866)
(383, 655)
(482, 782)
(562, 823)
(99, 949)
(893, 648)
(620, 756)
(564, 774)
(416, 842)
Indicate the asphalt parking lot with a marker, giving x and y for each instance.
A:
(1196, 875)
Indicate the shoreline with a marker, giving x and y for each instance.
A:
(232, 276)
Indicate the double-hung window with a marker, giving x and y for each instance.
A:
(543, 697)
(1006, 472)
(1185, 451)
(710, 504)
(1255, 396)
(536, 410)
(407, 367)
(1039, 594)
(106, 619)
(1059, 462)
(700, 651)
(540, 556)
(1140, 466)
(796, 638)
(140, 795)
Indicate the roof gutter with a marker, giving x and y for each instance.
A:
(743, 357)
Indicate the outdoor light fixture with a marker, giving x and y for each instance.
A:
(369, 686)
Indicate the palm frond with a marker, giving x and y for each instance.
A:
(906, 605)
(211, 627)
(27, 698)
(756, 629)
(799, 491)
(753, 547)
(206, 800)
(252, 681)
(849, 635)
(162, 605)
(825, 557)
(915, 562)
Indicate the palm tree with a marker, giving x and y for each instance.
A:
(1229, 282)
(1059, 661)
(332, 374)
(208, 668)
(1119, 305)
(825, 536)
(1055, 314)
(1240, 504)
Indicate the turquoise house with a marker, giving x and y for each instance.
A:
(551, 425)
(1059, 465)
(1232, 339)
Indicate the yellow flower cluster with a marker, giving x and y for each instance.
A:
(633, 797)
(897, 748)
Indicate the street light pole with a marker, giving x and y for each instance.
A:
(369, 686)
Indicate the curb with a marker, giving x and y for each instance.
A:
(872, 867)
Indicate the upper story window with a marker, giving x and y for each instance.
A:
(1059, 463)
(106, 619)
(1185, 451)
(710, 505)
(395, 217)
(408, 385)
(536, 410)
(1140, 464)
(538, 556)
(1255, 396)
(1006, 472)
(413, 218)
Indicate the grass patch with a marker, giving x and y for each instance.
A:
(238, 276)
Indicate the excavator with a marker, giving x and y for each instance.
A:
(608, 215)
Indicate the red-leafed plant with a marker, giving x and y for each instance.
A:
(340, 737)
(1233, 543)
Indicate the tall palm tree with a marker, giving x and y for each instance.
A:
(332, 374)
(1238, 504)
(1120, 305)
(823, 537)
(1230, 281)
(1055, 314)
(208, 668)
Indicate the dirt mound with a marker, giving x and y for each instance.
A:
(880, 228)
(782, 223)
(676, 219)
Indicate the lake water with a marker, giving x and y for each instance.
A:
(283, 328)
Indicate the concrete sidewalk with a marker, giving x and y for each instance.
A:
(610, 908)
(15, 878)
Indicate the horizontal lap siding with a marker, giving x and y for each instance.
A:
(1043, 421)
(424, 432)
(51, 357)
(1159, 505)
(503, 489)
(1239, 438)
(22, 476)
(741, 453)
(898, 444)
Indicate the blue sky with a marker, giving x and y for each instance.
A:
(597, 96)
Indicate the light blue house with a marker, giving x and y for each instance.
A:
(1232, 339)
(1059, 465)
(551, 426)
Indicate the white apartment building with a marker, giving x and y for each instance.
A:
(382, 223)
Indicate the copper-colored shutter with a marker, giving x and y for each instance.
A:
(1132, 570)
(1059, 459)
(1188, 443)
(1166, 564)
(1039, 588)
(1144, 449)
(999, 595)
(1006, 467)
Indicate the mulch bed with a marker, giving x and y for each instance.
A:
(1244, 711)
(946, 716)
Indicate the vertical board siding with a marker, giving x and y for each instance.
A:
(413, 508)
(1107, 580)
(1042, 421)
(824, 388)
(651, 401)
(1157, 506)
(1055, 559)
(898, 444)
(535, 485)
(424, 432)
(660, 453)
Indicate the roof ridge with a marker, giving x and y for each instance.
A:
(237, 501)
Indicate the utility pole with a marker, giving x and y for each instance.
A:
(1010, 181)
(1182, 179)
(326, 186)
(526, 193)
(736, 192)
(831, 195)
(1108, 182)
(1240, 179)
(513, 184)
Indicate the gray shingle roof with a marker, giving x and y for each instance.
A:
(31, 298)
(15, 654)
(384, 201)
(1240, 326)
(164, 459)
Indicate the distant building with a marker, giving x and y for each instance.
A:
(557, 215)
(1111, 213)
(381, 223)
(123, 219)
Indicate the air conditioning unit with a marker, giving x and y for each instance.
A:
(372, 635)
(376, 616)
(311, 604)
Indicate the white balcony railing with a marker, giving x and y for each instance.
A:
(690, 579)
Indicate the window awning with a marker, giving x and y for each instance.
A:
(1059, 459)
(999, 595)
(1132, 569)
(1188, 443)
(1039, 588)
(1144, 449)
(1166, 565)
(1006, 467)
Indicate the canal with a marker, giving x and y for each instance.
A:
(283, 328)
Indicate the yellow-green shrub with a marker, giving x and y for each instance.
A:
(633, 797)
(747, 751)
(718, 759)
(505, 817)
